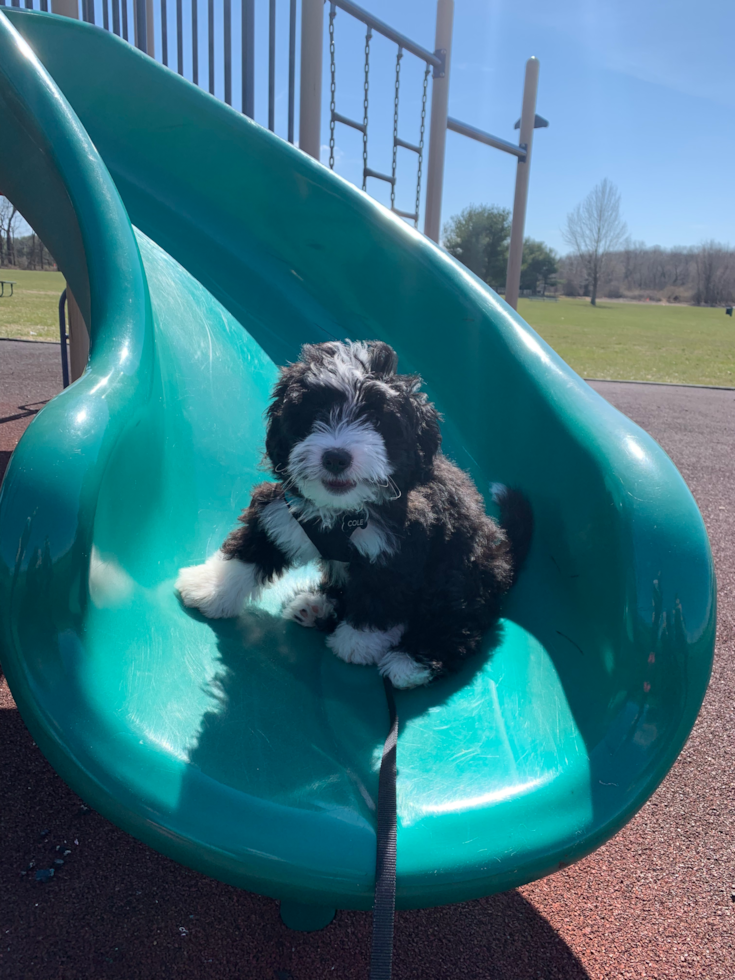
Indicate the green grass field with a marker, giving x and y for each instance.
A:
(628, 341)
(32, 313)
(638, 341)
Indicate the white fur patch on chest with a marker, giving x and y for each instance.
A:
(374, 541)
(285, 531)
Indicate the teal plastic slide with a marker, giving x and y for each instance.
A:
(203, 251)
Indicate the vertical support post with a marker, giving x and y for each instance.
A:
(210, 44)
(248, 58)
(227, 35)
(78, 333)
(291, 67)
(515, 252)
(438, 124)
(180, 37)
(140, 19)
(272, 66)
(195, 41)
(310, 108)
(78, 338)
(150, 36)
(66, 8)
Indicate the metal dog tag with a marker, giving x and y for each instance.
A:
(354, 522)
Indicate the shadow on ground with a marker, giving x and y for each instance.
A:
(116, 909)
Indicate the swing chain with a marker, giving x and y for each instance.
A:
(333, 84)
(368, 35)
(421, 145)
(399, 55)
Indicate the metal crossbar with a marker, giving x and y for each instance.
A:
(405, 214)
(397, 141)
(482, 137)
(374, 173)
(386, 30)
(348, 122)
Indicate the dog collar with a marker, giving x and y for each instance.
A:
(334, 543)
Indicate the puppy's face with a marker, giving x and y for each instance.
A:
(345, 430)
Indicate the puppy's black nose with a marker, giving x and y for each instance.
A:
(336, 460)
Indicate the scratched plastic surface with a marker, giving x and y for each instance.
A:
(244, 748)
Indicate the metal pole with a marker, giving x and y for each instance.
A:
(248, 58)
(438, 125)
(195, 41)
(150, 36)
(310, 108)
(140, 18)
(78, 333)
(272, 66)
(515, 252)
(180, 37)
(210, 43)
(63, 340)
(67, 8)
(227, 32)
(291, 67)
(164, 31)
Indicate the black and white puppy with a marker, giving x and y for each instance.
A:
(413, 569)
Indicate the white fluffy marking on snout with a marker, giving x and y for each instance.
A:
(403, 671)
(363, 646)
(219, 588)
(306, 607)
(369, 470)
(284, 530)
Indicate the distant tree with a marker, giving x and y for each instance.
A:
(479, 238)
(540, 264)
(594, 229)
(8, 216)
(31, 253)
(715, 274)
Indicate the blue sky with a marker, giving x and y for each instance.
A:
(640, 92)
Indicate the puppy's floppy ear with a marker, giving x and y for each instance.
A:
(421, 421)
(429, 434)
(382, 359)
(276, 441)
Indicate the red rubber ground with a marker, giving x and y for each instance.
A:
(656, 903)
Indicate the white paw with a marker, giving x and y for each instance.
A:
(306, 607)
(403, 671)
(219, 588)
(363, 646)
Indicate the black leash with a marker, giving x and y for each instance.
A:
(384, 906)
(334, 544)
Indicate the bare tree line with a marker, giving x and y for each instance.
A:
(603, 260)
(701, 274)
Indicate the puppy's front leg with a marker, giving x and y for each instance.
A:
(268, 542)
(220, 587)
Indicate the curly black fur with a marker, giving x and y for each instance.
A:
(446, 563)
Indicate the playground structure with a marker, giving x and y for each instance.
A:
(138, 21)
(245, 749)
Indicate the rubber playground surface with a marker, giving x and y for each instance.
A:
(657, 901)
